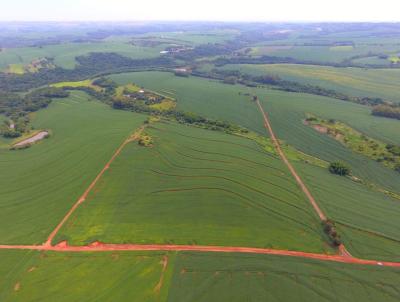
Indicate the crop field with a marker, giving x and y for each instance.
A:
(38, 185)
(202, 96)
(194, 186)
(190, 180)
(287, 112)
(287, 115)
(334, 54)
(114, 276)
(64, 54)
(230, 277)
(354, 81)
(192, 38)
(188, 276)
(368, 220)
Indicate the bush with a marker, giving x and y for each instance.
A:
(330, 230)
(339, 168)
(11, 133)
(387, 111)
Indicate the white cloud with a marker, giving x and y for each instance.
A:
(227, 10)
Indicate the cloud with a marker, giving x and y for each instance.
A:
(225, 10)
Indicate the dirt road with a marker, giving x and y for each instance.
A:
(101, 247)
(81, 199)
(289, 165)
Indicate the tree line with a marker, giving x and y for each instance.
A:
(385, 110)
(235, 76)
(88, 66)
(17, 108)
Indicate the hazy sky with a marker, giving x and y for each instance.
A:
(224, 10)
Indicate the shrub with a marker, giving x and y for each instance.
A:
(330, 230)
(339, 168)
(11, 133)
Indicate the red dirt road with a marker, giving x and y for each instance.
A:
(289, 165)
(93, 183)
(344, 256)
(101, 247)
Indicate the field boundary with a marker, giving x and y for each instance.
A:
(103, 247)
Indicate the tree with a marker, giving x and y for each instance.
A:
(339, 168)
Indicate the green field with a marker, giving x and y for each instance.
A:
(117, 276)
(196, 186)
(191, 37)
(287, 119)
(161, 158)
(287, 111)
(230, 277)
(324, 54)
(353, 81)
(367, 220)
(208, 98)
(38, 185)
(135, 276)
(64, 54)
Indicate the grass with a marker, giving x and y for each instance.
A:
(112, 276)
(84, 83)
(232, 277)
(119, 91)
(196, 186)
(341, 48)
(16, 68)
(356, 141)
(164, 105)
(38, 185)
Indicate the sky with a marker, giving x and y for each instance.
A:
(189, 10)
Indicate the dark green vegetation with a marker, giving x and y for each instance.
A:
(351, 82)
(235, 76)
(386, 154)
(387, 111)
(17, 109)
(39, 184)
(339, 168)
(195, 186)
